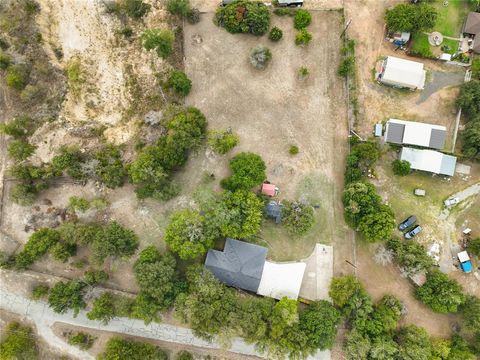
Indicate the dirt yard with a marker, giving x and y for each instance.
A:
(272, 109)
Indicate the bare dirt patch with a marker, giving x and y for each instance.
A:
(272, 109)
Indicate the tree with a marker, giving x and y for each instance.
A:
(303, 37)
(284, 314)
(69, 158)
(118, 348)
(146, 308)
(410, 256)
(20, 150)
(469, 98)
(383, 348)
(460, 349)
(67, 295)
(473, 246)
(248, 171)
(297, 217)
(186, 234)
(179, 82)
(17, 76)
(359, 199)
(342, 289)
(114, 240)
(103, 308)
(239, 214)
(83, 340)
(275, 34)
(253, 318)
(62, 251)
(39, 243)
(260, 57)
(208, 304)
(156, 276)
(18, 342)
(440, 293)
(301, 19)
(179, 7)
(401, 167)
(222, 141)
(319, 322)
(378, 225)
(243, 16)
(110, 168)
(411, 18)
(471, 139)
(414, 343)
(135, 8)
(384, 318)
(95, 277)
(159, 40)
(357, 346)
(470, 312)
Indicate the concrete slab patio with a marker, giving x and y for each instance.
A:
(318, 273)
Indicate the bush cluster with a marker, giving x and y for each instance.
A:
(248, 171)
(410, 256)
(469, 101)
(260, 57)
(275, 34)
(222, 141)
(118, 348)
(18, 342)
(244, 16)
(401, 167)
(303, 37)
(301, 19)
(411, 18)
(159, 40)
(83, 340)
(179, 82)
(151, 171)
(297, 217)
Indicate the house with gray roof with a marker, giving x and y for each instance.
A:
(240, 264)
(403, 132)
(429, 160)
(471, 29)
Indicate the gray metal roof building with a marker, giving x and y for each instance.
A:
(415, 133)
(240, 264)
(274, 210)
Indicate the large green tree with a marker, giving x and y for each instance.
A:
(410, 256)
(414, 343)
(248, 171)
(440, 293)
(114, 240)
(359, 199)
(18, 342)
(471, 139)
(39, 243)
(244, 16)
(411, 18)
(469, 98)
(470, 312)
(67, 295)
(319, 322)
(187, 235)
(377, 225)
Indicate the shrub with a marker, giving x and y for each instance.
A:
(401, 167)
(179, 82)
(470, 312)
(347, 67)
(126, 31)
(302, 19)
(440, 293)
(19, 127)
(179, 7)
(67, 295)
(78, 203)
(5, 61)
(82, 340)
(75, 74)
(95, 277)
(17, 76)
(293, 150)
(471, 139)
(303, 37)
(110, 167)
(135, 8)
(159, 40)
(183, 355)
(475, 68)
(222, 141)
(69, 159)
(260, 57)
(303, 73)
(285, 11)
(193, 16)
(473, 246)
(37, 245)
(359, 199)
(31, 93)
(20, 150)
(377, 225)
(186, 235)
(118, 348)
(62, 251)
(40, 292)
(275, 34)
(410, 256)
(18, 342)
(297, 217)
(469, 98)
(248, 171)
(114, 240)
(243, 16)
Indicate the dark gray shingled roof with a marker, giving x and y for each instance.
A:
(395, 133)
(240, 264)
(472, 24)
(437, 139)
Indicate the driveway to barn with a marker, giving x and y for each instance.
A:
(439, 80)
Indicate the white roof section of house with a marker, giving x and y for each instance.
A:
(281, 279)
(429, 160)
(463, 256)
(403, 73)
(416, 133)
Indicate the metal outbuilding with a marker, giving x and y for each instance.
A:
(402, 73)
(429, 160)
(415, 133)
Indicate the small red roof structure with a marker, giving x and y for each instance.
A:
(269, 189)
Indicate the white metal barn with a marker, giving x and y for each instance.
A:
(415, 133)
(429, 160)
(402, 73)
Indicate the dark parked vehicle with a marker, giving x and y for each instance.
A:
(412, 233)
(407, 223)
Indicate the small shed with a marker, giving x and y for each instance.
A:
(402, 73)
(274, 210)
(378, 130)
(269, 189)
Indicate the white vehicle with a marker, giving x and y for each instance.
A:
(451, 201)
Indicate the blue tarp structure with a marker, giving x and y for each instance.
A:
(467, 266)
